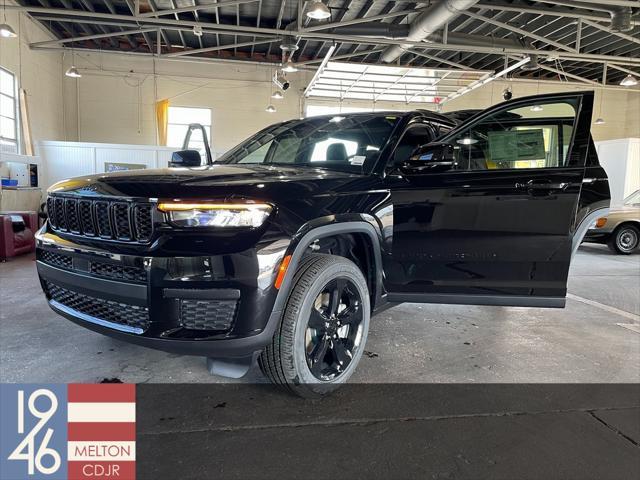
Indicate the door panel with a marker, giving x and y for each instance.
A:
(492, 230)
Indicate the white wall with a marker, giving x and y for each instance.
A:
(619, 108)
(64, 160)
(39, 73)
(117, 95)
(621, 161)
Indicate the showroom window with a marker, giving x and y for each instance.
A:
(179, 120)
(8, 112)
(536, 136)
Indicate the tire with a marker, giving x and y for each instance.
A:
(625, 239)
(309, 331)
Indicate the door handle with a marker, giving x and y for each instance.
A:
(548, 186)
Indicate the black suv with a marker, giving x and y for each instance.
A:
(283, 248)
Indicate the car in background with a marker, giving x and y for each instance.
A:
(620, 229)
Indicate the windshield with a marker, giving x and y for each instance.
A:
(633, 199)
(350, 143)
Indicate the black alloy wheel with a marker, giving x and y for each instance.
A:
(334, 329)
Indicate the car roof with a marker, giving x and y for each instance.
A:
(446, 117)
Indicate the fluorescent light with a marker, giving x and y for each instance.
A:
(73, 72)
(467, 141)
(318, 11)
(537, 108)
(270, 109)
(599, 121)
(336, 119)
(278, 95)
(629, 81)
(289, 67)
(6, 31)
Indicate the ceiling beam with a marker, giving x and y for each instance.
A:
(622, 69)
(355, 21)
(127, 20)
(196, 51)
(624, 36)
(520, 31)
(93, 37)
(194, 8)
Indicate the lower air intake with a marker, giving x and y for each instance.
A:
(215, 315)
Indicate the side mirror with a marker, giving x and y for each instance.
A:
(430, 158)
(186, 158)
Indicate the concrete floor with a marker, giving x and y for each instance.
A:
(411, 343)
(465, 403)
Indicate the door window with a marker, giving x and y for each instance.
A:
(535, 136)
(416, 135)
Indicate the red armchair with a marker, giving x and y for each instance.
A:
(17, 237)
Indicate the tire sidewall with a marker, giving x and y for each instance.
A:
(336, 270)
(619, 234)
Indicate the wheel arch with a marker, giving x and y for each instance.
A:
(316, 230)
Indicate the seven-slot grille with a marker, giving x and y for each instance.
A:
(124, 221)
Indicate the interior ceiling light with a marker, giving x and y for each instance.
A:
(197, 30)
(73, 72)
(278, 95)
(318, 11)
(6, 31)
(270, 109)
(537, 108)
(599, 121)
(629, 81)
(289, 67)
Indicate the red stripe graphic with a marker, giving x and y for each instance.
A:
(101, 470)
(101, 417)
(112, 392)
(79, 432)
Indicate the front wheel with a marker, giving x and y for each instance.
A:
(625, 239)
(323, 330)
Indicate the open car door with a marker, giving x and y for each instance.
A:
(487, 215)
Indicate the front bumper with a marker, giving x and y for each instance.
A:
(218, 306)
(596, 235)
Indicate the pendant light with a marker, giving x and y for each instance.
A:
(629, 81)
(289, 67)
(270, 108)
(318, 11)
(5, 29)
(600, 120)
(73, 72)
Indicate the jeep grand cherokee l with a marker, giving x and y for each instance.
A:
(283, 248)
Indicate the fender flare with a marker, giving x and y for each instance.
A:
(312, 235)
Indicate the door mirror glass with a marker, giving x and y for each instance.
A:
(186, 158)
(430, 158)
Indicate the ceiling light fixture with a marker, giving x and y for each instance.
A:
(318, 11)
(278, 95)
(537, 108)
(629, 81)
(197, 31)
(73, 72)
(270, 109)
(599, 121)
(6, 31)
(289, 67)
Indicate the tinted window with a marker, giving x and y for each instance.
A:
(535, 136)
(351, 143)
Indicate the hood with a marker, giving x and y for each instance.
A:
(211, 182)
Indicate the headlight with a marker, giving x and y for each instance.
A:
(217, 214)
